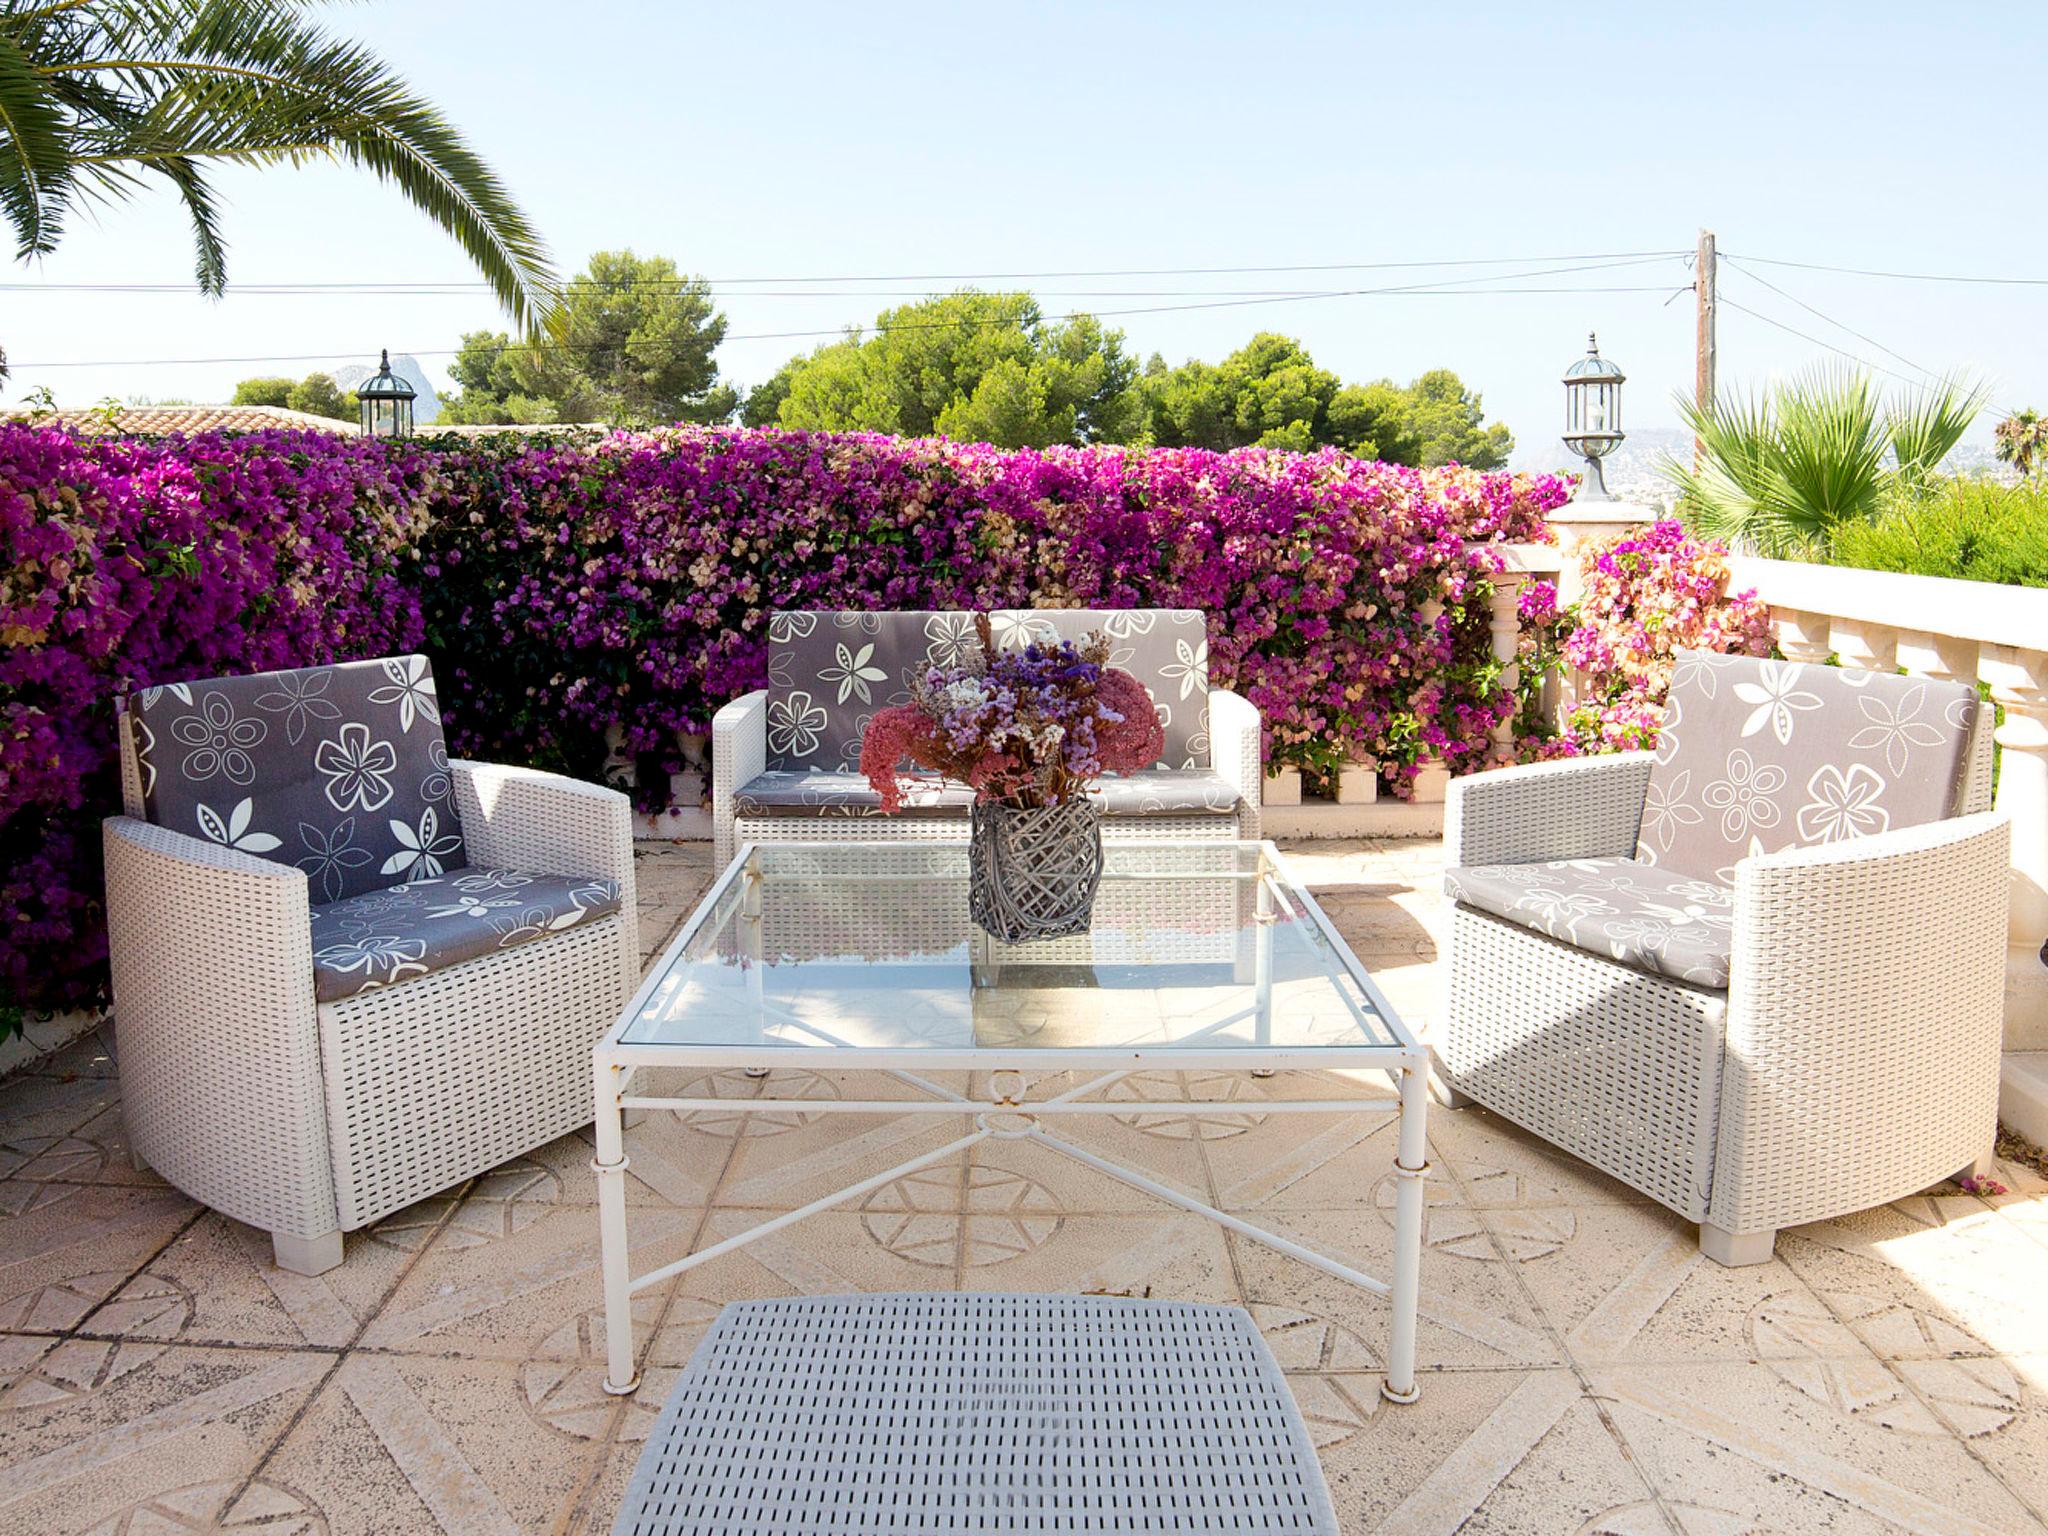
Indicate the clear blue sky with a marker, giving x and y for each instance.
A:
(799, 140)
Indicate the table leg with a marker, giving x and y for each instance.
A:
(620, 1377)
(1411, 1166)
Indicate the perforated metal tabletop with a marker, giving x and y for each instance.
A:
(887, 1415)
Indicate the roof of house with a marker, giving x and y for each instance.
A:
(155, 420)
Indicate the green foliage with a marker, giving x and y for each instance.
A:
(316, 394)
(976, 367)
(633, 346)
(1786, 472)
(1977, 530)
(1270, 394)
(98, 97)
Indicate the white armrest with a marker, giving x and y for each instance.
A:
(546, 823)
(221, 1088)
(739, 751)
(1865, 1014)
(1575, 808)
(1235, 749)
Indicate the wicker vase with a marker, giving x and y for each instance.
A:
(1031, 874)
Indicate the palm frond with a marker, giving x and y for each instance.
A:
(1926, 427)
(35, 169)
(1726, 491)
(1829, 466)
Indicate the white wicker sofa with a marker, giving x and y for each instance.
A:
(349, 972)
(1757, 975)
(785, 759)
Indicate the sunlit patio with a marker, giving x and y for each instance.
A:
(1583, 1367)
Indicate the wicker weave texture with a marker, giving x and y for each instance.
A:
(212, 954)
(1579, 808)
(888, 1415)
(1618, 1067)
(447, 1076)
(1032, 874)
(1864, 1021)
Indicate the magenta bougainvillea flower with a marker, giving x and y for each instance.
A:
(589, 605)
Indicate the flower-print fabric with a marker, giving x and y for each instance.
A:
(828, 672)
(1651, 919)
(341, 771)
(1757, 755)
(405, 931)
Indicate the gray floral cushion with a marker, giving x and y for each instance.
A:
(815, 792)
(1754, 756)
(406, 931)
(341, 771)
(1649, 918)
(1160, 791)
(828, 672)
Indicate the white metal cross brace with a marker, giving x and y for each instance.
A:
(1009, 1116)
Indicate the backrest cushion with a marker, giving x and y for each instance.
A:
(1754, 756)
(1166, 649)
(828, 672)
(341, 770)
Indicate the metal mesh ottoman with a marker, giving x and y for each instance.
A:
(908, 1414)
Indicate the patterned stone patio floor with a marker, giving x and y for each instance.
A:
(1585, 1371)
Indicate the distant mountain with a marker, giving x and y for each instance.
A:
(425, 408)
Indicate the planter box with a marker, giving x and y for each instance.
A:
(1432, 784)
(1283, 787)
(1358, 783)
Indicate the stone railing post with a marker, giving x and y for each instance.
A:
(1803, 637)
(1504, 630)
(2019, 684)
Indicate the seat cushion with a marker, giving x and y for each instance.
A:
(828, 792)
(1645, 916)
(407, 931)
(1159, 791)
(811, 792)
(341, 771)
(1755, 755)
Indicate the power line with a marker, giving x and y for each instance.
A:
(1905, 277)
(1444, 288)
(932, 277)
(1831, 320)
(1827, 345)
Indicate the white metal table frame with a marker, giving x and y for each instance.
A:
(1009, 1116)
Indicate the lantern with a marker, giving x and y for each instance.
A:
(1592, 416)
(385, 400)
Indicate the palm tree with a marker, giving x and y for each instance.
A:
(2022, 441)
(1779, 473)
(97, 97)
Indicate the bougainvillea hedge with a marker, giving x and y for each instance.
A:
(563, 589)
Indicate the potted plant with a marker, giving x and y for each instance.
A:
(1028, 730)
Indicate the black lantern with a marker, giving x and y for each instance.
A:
(1592, 416)
(386, 403)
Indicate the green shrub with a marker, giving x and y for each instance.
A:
(1976, 530)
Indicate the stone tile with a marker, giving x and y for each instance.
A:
(139, 1437)
(1628, 1283)
(1803, 1449)
(1912, 1285)
(1478, 1148)
(37, 1113)
(1472, 1315)
(217, 1282)
(1489, 1452)
(61, 1259)
(2017, 1448)
(396, 1446)
(786, 1158)
(91, 1055)
(96, 1153)
(494, 1300)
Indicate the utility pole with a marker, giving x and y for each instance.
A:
(1704, 265)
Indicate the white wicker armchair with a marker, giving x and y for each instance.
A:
(252, 1089)
(1843, 1048)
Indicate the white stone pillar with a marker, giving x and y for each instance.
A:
(2019, 683)
(1867, 647)
(1803, 637)
(1504, 630)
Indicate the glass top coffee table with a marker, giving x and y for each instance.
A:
(1206, 956)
